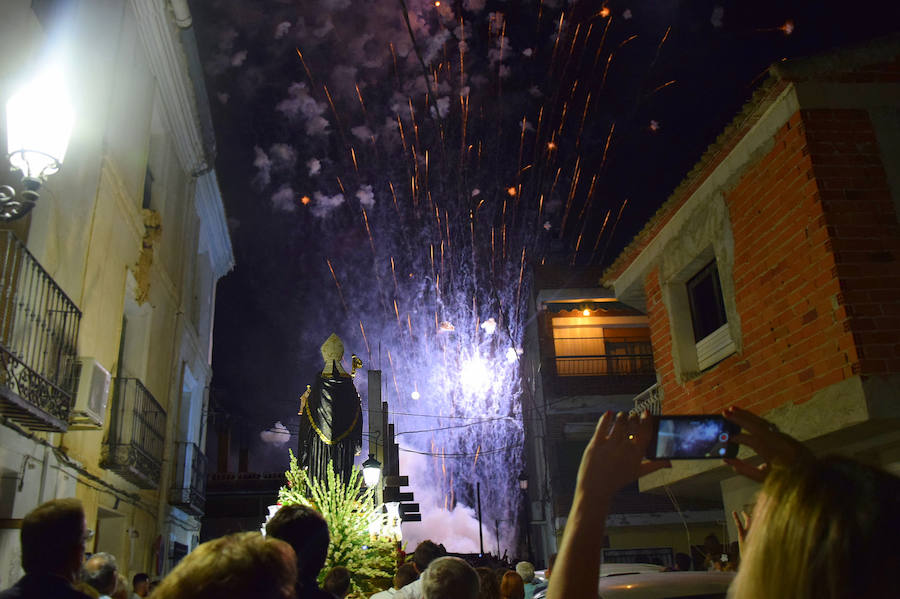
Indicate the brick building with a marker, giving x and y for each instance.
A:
(771, 277)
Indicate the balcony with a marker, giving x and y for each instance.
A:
(38, 338)
(621, 367)
(605, 365)
(650, 399)
(188, 492)
(134, 449)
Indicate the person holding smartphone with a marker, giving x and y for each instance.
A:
(823, 527)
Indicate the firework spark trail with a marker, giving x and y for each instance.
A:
(612, 129)
(305, 68)
(338, 285)
(663, 86)
(362, 330)
(613, 232)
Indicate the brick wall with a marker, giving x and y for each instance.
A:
(816, 277)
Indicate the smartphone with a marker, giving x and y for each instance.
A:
(693, 437)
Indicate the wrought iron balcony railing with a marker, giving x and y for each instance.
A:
(607, 365)
(38, 337)
(650, 399)
(134, 448)
(188, 492)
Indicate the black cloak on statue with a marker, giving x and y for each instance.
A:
(330, 426)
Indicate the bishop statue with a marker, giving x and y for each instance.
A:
(331, 416)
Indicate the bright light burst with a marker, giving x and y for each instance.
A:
(475, 376)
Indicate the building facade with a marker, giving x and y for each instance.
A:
(771, 277)
(586, 353)
(108, 285)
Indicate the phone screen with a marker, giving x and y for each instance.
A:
(694, 437)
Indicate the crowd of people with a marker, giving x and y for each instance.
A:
(822, 528)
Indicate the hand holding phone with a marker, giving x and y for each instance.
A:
(692, 437)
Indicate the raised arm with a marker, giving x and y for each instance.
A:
(613, 458)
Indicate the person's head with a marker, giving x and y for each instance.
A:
(825, 529)
(682, 562)
(53, 537)
(140, 582)
(500, 573)
(241, 565)
(712, 547)
(512, 586)
(304, 529)
(121, 591)
(449, 578)
(101, 572)
(426, 552)
(406, 574)
(550, 561)
(337, 582)
(526, 571)
(489, 585)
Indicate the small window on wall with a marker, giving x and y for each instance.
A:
(708, 318)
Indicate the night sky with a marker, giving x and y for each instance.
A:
(551, 143)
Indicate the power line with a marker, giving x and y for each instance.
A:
(464, 455)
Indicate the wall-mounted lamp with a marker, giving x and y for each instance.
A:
(39, 120)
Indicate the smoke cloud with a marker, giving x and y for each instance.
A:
(365, 196)
(323, 205)
(263, 165)
(283, 199)
(278, 435)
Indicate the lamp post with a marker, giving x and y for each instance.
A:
(523, 486)
(39, 120)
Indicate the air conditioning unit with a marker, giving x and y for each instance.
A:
(91, 395)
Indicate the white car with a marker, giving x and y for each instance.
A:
(645, 581)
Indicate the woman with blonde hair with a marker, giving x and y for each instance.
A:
(823, 528)
(242, 565)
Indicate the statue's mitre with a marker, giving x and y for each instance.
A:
(333, 348)
(332, 354)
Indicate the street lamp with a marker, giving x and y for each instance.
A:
(371, 471)
(523, 485)
(39, 120)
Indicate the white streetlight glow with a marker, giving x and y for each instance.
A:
(39, 121)
(371, 471)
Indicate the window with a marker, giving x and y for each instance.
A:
(709, 321)
(705, 297)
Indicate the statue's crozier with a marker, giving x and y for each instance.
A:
(330, 417)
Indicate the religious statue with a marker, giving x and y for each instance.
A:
(331, 416)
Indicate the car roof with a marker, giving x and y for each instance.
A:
(664, 585)
(612, 569)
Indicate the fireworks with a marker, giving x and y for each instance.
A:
(436, 184)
